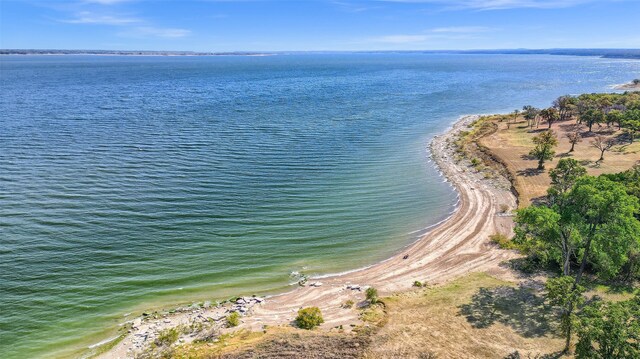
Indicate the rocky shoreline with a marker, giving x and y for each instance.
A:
(195, 321)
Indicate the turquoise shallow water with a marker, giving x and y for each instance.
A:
(131, 182)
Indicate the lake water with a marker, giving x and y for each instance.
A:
(128, 183)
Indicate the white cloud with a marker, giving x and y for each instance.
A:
(150, 31)
(86, 17)
(105, 2)
(353, 7)
(499, 4)
(439, 33)
(461, 29)
(129, 26)
(401, 39)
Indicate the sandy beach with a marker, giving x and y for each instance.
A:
(455, 247)
(630, 86)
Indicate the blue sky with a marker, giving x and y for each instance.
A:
(343, 25)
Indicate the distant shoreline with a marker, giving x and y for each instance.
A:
(633, 54)
(125, 53)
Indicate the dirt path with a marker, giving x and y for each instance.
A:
(456, 246)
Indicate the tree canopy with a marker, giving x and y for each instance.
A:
(609, 330)
(545, 142)
(565, 175)
(586, 219)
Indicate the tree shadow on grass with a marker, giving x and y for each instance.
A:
(570, 126)
(538, 129)
(527, 157)
(522, 308)
(539, 200)
(529, 172)
(517, 355)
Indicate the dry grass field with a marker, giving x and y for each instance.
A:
(511, 144)
(279, 342)
(476, 316)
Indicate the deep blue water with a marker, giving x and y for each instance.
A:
(131, 182)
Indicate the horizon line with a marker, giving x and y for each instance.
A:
(329, 50)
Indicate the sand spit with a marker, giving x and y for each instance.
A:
(457, 246)
(631, 86)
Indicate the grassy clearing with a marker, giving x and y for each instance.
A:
(477, 316)
(610, 292)
(511, 146)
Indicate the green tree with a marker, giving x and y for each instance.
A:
(530, 113)
(592, 116)
(604, 213)
(630, 179)
(545, 142)
(563, 292)
(595, 220)
(615, 116)
(544, 235)
(550, 115)
(631, 270)
(631, 123)
(609, 330)
(548, 231)
(565, 175)
(309, 318)
(566, 106)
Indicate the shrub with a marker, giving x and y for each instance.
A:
(372, 295)
(348, 304)
(417, 284)
(233, 319)
(309, 318)
(373, 314)
(475, 162)
(502, 241)
(167, 337)
(504, 208)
